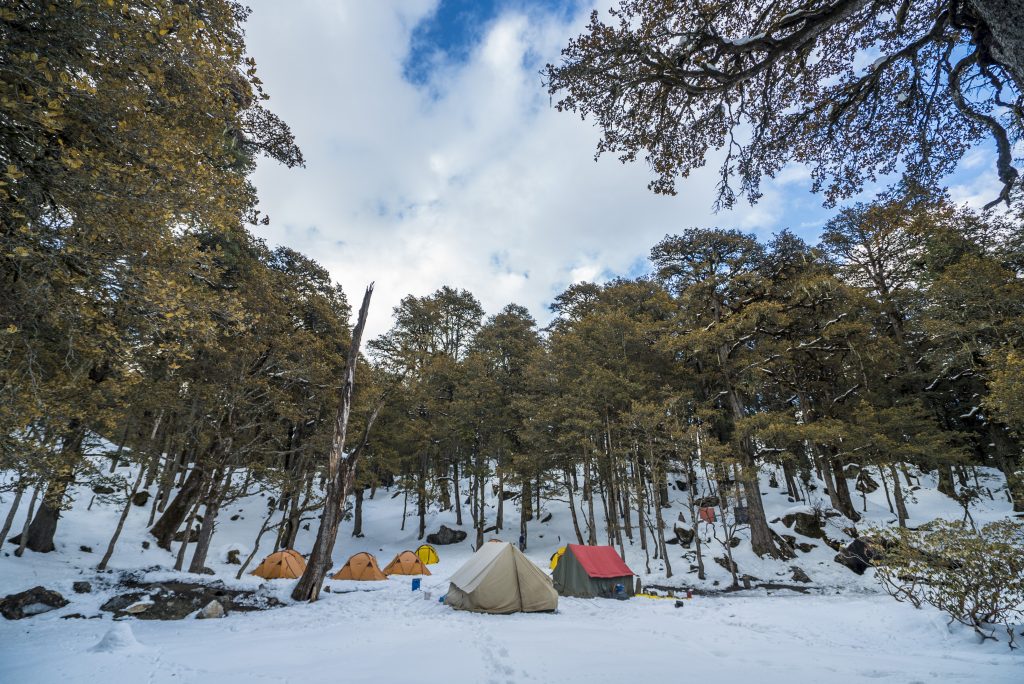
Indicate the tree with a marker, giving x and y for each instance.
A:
(773, 82)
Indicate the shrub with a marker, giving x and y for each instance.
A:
(974, 576)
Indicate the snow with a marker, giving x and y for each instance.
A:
(844, 630)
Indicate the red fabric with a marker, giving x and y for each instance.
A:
(600, 561)
(707, 515)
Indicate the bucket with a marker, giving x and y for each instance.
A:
(416, 583)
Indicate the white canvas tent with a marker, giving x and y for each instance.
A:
(500, 579)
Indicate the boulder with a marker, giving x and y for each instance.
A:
(773, 481)
(446, 535)
(177, 600)
(546, 518)
(213, 609)
(85, 549)
(706, 502)
(805, 547)
(684, 535)
(141, 498)
(799, 575)
(807, 524)
(193, 537)
(102, 489)
(139, 607)
(82, 587)
(727, 564)
(233, 558)
(857, 556)
(31, 602)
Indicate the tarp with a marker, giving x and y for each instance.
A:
(406, 563)
(555, 556)
(427, 554)
(361, 567)
(286, 564)
(600, 561)
(498, 578)
(571, 577)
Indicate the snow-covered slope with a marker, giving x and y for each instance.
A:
(845, 630)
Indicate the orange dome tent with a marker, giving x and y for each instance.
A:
(427, 554)
(406, 563)
(287, 564)
(362, 567)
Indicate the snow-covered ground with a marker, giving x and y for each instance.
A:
(844, 631)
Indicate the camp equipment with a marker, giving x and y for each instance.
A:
(427, 554)
(286, 564)
(498, 578)
(361, 567)
(592, 571)
(406, 563)
(555, 557)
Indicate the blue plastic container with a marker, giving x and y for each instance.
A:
(415, 583)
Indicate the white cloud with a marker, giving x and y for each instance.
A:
(473, 180)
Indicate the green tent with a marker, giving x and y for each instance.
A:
(591, 571)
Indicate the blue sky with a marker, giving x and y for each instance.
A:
(434, 156)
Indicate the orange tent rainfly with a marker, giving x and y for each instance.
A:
(406, 563)
(362, 567)
(287, 564)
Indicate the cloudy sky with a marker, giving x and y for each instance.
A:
(434, 156)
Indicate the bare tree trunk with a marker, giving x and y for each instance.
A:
(44, 523)
(215, 498)
(885, 488)
(901, 506)
(499, 523)
(572, 510)
(176, 511)
(24, 530)
(256, 544)
(357, 513)
(458, 494)
(179, 563)
(120, 521)
(946, 485)
(341, 470)
(588, 494)
(421, 496)
(9, 520)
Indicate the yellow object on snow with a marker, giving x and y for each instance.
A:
(556, 556)
(427, 554)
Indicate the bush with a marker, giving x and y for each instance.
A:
(974, 576)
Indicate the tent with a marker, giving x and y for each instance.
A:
(287, 564)
(427, 554)
(591, 571)
(498, 578)
(556, 556)
(362, 567)
(406, 563)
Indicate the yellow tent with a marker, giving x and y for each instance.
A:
(427, 554)
(362, 567)
(287, 564)
(406, 563)
(555, 557)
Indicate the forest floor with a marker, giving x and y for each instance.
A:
(844, 630)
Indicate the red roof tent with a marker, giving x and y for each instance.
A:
(600, 561)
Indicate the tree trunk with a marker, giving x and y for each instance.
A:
(901, 506)
(843, 491)
(339, 476)
(572, 510)
(256, 544)
(44, 523)
(357, 514)
(499, 522)
(661, 531)
(588, 494)
(946, 485)
(458, 494)
(421, 496)
(176, 511)
(9, 520)
(24, 530)
(120, 522)
(215, 497)
(186, 536)
(1005, 40)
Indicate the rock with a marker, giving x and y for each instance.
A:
(139, 607)
(684, 535)
(446, 535)
(734, 542)
(799, 575)
(31, 602)
(233, 557)
(727, 564)
(82, 587)
(145, 544)
(179, 536)
(207, 571)
(177, 600)
(141, 498)
(102, 489)
(213, 609)
(807, 524)
(85, 549)
(857, 556)
(235, 517)
(73, 616)
(805, 547)
(508, 494)
(773, 481)
(706, 502)
(546, 518)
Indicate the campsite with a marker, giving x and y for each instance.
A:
(507, 341)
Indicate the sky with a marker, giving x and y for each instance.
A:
(434, 156)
